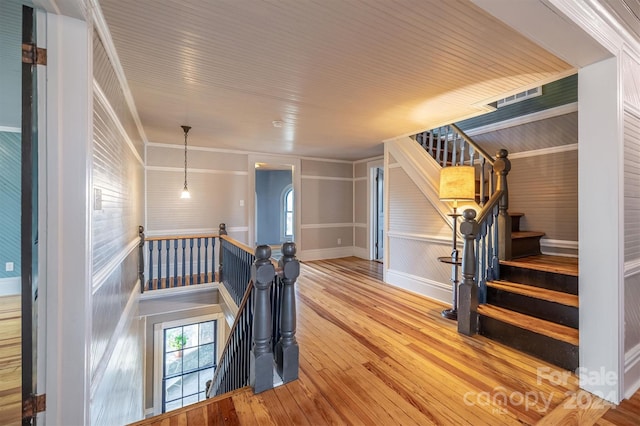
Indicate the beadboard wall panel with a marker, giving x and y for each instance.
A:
(118, 175)
(545, 189)
(326, 168)
(326, 201)
(116, 350)
(631, 186)
(109, 302)
(118, 398)
(360, 240)
(325, 238)
(214, 200)
(360, 170)
(409, 210)
(549, 133)
(10, 200)
(631, 311)
(631, 79)
(420, 258)
(106, 77)
(158, 156)
(10, 62)
(360, 201)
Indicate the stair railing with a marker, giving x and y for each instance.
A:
(263, 333)
(490, 231)
(450, 146)
(176, 260)
(235, 266)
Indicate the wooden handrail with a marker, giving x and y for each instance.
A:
(181, 237)
(238, 244)
(475, 146)
(489, 206)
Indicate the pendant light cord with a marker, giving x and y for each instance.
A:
(186, 130)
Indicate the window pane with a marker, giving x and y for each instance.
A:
(204, 376)
(190, 359)
(190, 400)
(191, 333)
(173, 363)
(206, 332)
(289, 224)
(173, 405)
(172, 339)
(190, 384)
(206, 355)
(173, 388)
(289, 200)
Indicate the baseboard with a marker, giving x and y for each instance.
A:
(328, 253)
(425, 287)
(361, 252)
(10, 286)
(564, 248)
(632, 371)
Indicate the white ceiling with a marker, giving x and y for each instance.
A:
(343, 75)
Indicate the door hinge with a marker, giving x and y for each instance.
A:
(35, 404)
(32, 54)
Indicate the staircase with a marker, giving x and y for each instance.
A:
(528, 302)
(533, 307)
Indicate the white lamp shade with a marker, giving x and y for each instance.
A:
(458, 183)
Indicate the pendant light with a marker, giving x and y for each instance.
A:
(185, 190)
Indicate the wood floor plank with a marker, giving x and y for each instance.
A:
(10, 360)
(372, 354)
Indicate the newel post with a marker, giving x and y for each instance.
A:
(502, 166)
(287, 351)
(141, 257)
(261, 359)
(468, 289)
(222, 230)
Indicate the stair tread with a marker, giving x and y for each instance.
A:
(547, 263)
(537, 325)
(526, 234)
(518, 214)
(536, 292)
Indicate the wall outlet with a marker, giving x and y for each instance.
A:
(8, 267)
(339, 241)
(241, 203)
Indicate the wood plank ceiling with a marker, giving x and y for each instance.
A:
(342, 75)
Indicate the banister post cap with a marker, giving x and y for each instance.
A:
(469, 214)
(263, 252)
(289, 249)
(289, 264)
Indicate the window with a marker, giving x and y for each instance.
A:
(288, 213)
(186, 356)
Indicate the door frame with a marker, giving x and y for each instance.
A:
(251, 193)
(372, 166)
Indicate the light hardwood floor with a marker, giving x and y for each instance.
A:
(371, 354)
(10, 361)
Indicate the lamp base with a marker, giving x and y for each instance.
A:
(451, 314)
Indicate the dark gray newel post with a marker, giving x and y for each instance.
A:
(221, 231)
(141, 257)
(261, 369)
(468, 290)
(502, 166)
(287, 351)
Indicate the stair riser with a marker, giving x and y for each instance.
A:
(522, 247)
(556, 352)
(543, 309)
(542, 279)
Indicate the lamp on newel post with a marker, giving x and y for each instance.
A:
(457, 183)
